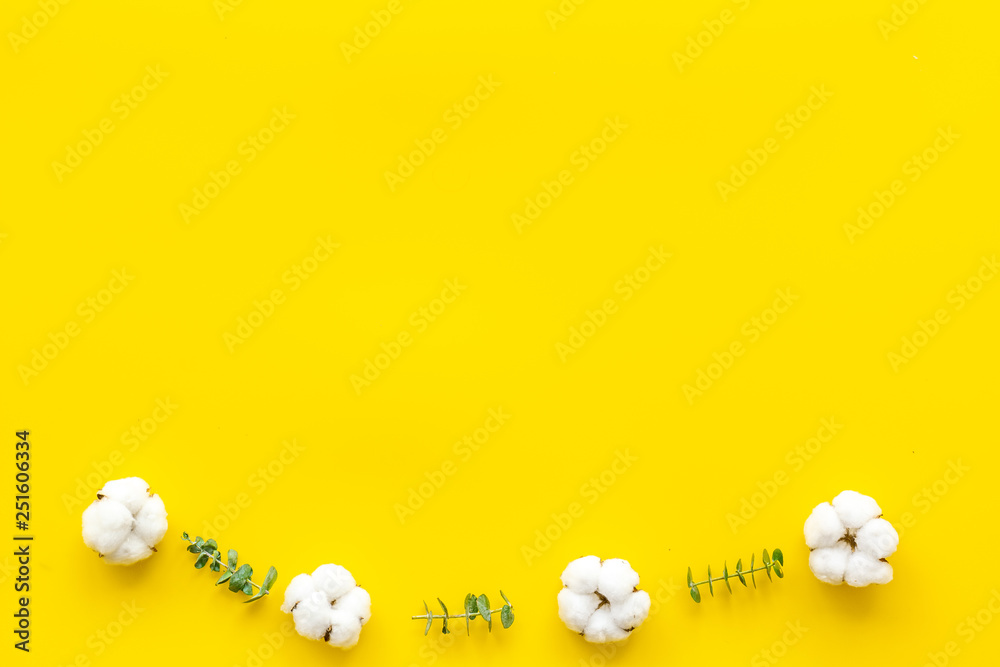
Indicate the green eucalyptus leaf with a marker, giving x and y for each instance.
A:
(695, 595)
(767, 558)
(444, 628)
(248, 588)
(725, 576)
(215, 566)
(269, 579)
(778, 556)
(690, 578)
(224, 578)
(185, 535)
(470, 610)
(711, 590)
(430, 619)
(777, 569)
(505, 598)
(231, 556)
(752, 577)
(483, 603)
(202, 560)
(210, 545)
(194, 549)
(506, 616)
(240, 577)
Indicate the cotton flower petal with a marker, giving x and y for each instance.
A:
(830, 563)
(855, 509)
(823, 527)
(345, 629)
(106, 524)
(617, 579)
(878, 538)
(132, 550)
(151, 521)
(632, 611)
(355, 602)
(575, 609)
(602, 629)
(312, 616)
(580, 576)
(299, 588)
(863, 569)
(334, 580)
(130, 492)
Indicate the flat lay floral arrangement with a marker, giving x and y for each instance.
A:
(600, 599)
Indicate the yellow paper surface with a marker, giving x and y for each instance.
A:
(615, 296)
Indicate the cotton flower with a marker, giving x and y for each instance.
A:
(600, 599)
(125, 523)
(328, 605)
(850, 541)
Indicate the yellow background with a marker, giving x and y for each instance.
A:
(162, 336)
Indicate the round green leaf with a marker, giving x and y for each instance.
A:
(506, 616)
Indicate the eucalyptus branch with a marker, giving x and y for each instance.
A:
(238, 577)
(474, 606)
(769, 564)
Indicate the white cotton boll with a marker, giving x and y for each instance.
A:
(863, 570)
(132, 550)
(328, 605)
(106, 524)
(855, 509)
(333, 580)
(823, 527)
(312, 616)
(613, 611)
(151, 521)
(617, 579)
(830, 563)
(345, 629)
(356, 602)
(580, 576)
(125, 522)
(602, 629)
(878, 538)
(299, 588)
(575, 609)
(632, 611)
(865, 540)
(130, 492)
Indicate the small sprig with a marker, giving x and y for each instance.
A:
(771, 562)
(474, 606)
(238, 577)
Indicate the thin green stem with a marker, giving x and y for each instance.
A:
(425, 616)
(731, 575)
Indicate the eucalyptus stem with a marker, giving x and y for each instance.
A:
(238, 578)
(211, 556)
(463, 615)
(714, 579)
(772, 563)
(474, 606)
